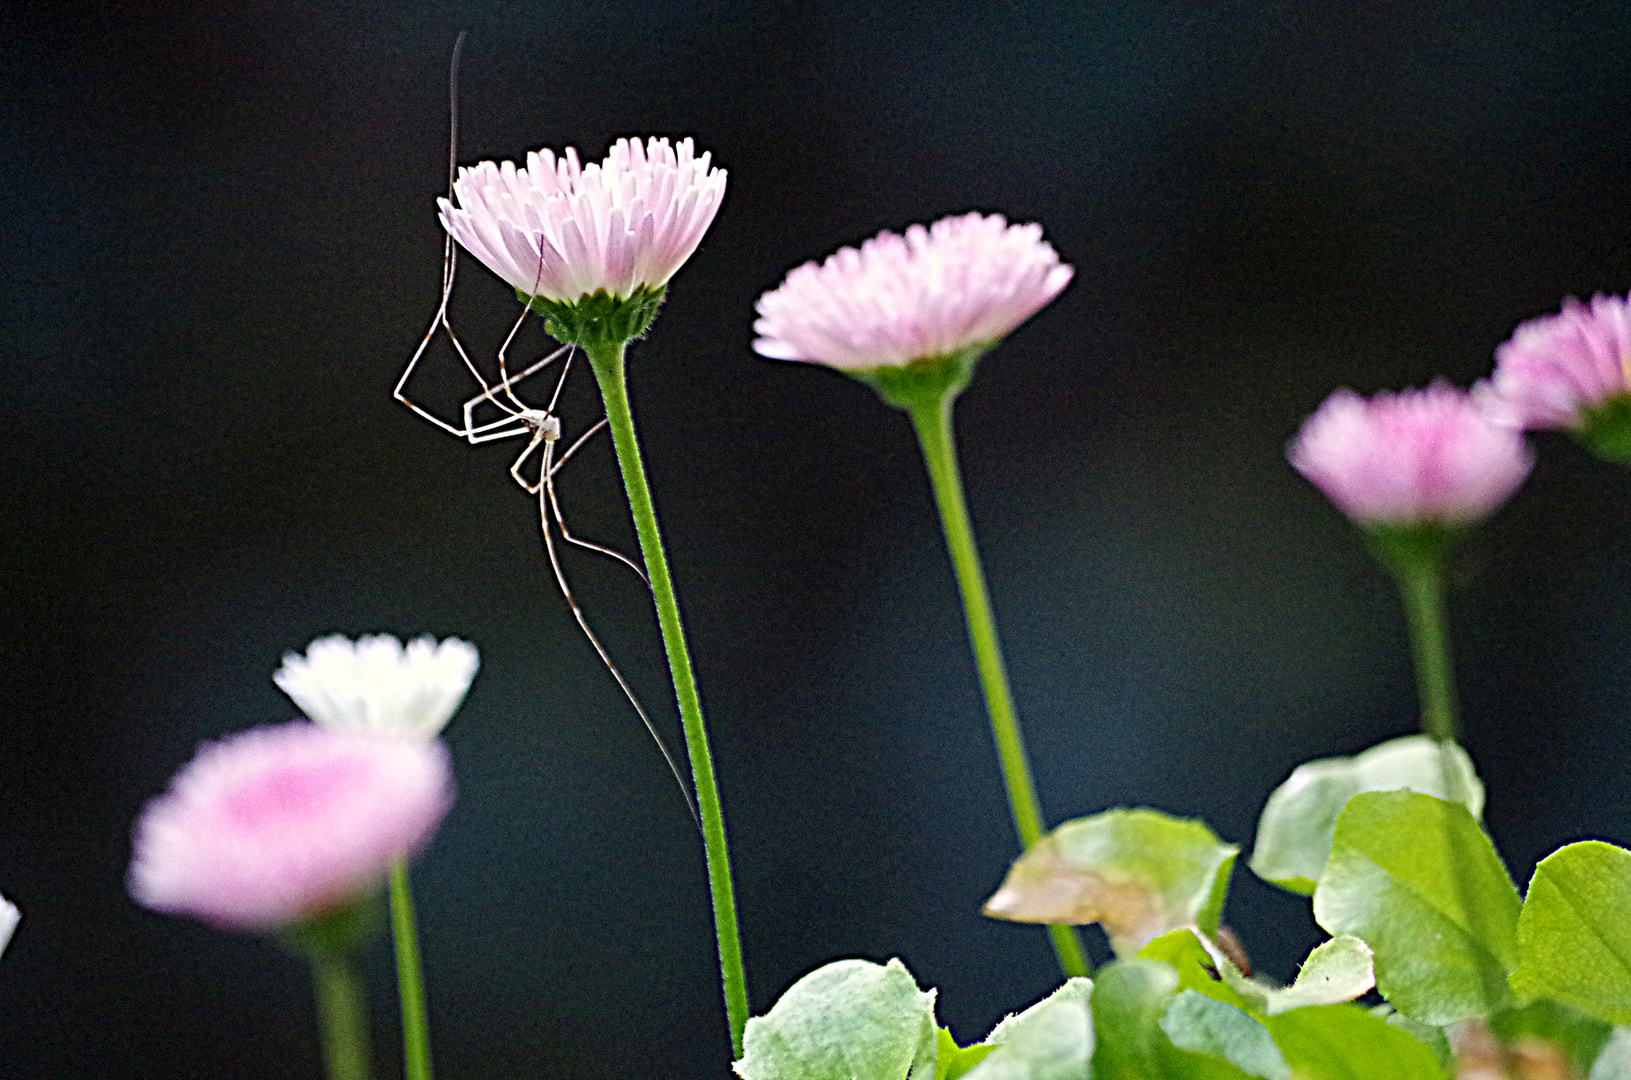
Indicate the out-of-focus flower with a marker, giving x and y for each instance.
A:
(1430, 456)
(1570, 370)
(1557, 367)
(564, 232)
(280, 824)
(376, 686)
(962, 283)
(9, 918)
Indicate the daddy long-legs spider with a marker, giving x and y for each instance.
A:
(542, 428)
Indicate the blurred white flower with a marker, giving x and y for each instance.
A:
(9, 918)
(377, 686)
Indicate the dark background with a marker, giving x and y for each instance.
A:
(220, 249)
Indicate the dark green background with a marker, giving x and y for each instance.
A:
(220, 248)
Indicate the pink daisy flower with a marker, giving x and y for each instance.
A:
(1556, 369)
(562, 231)
(1418, 456)
(278, 824)
(961, 283)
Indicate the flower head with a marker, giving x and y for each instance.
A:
(1555, 369)
(376, 686)
(1430, 456)
(962, 283)
(278, 824)
(563, 232)
(9, 918)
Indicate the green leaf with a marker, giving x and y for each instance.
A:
(1204, 1025)
(952, 1061)
(1576, 1035)
(1129, 1000)
(1199, 970)
(1337, 970)
(1429, 1036)
(1344, 1042)
(1574, 937)
(1140, 873)
(1614, 1063)
(1294, 834)
(849, 1019)
(1416, 878)
(1052, 1040)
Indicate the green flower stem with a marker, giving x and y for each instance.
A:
(1422, 586)
(932, 419)
(342, 1015)
(607, 361)
(410, 984)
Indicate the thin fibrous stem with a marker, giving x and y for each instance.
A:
(1422, 585)
(607, 361)
(342, 1015)
(932, 420)
(409, 981)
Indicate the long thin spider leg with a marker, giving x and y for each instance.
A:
(566, 369)
(503, 374)
(515, 469)
(548, 480)
(578, 442)
(439, 319)
(583, 624)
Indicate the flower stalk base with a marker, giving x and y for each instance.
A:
(606, 358)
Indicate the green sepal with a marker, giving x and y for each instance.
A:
(1605, 429)
(1574, 936)
(1414, 547)
(598, 320)
(923, 383)
(339, 931)
(1418, 880)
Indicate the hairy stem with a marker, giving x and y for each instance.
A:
(607, 361)
(932, 420)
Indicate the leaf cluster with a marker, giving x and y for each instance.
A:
(1474, 980)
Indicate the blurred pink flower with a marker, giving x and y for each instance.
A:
(962, 282)
(1414, 457)
(1555, 366)
(280, 823)
(563, 231)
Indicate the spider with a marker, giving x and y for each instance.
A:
(542, 427)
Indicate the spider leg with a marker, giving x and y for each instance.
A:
(544, 506)
(566, 535)
(515, 469)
